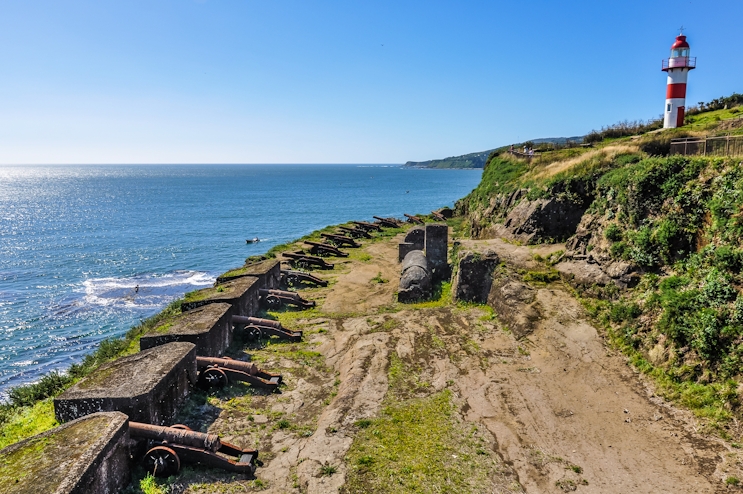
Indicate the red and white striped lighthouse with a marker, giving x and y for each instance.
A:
(678, 67)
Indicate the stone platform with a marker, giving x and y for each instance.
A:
(89, 455)
(268, 273)
(240, 293)
(209, 327)
(148, 386)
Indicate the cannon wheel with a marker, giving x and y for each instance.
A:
(213, 377)
(254, 333)
(162, 461)
(273, 302)
(292, 279)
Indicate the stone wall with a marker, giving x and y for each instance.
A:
(209, 327)
(474, 276)
(89, 455)
(241, 293)
(148, 386)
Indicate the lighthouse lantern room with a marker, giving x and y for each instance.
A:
(677, 67)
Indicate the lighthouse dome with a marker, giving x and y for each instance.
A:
(680, 48)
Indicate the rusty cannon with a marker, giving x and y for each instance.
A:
(355, 232)
(218, 372)
(321, 249)
(340, 240)
(257, 328)
(294, 278)
(413, 219)
(274, 299)
(388, 222)
(303, 260)
(438, 215)
(369, 227)
(168, 446)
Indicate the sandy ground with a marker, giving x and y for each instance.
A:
(565, 412)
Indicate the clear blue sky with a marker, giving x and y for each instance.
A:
(291, 81)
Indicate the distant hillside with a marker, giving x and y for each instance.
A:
(477, 160)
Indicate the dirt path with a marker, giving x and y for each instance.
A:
(565, 413)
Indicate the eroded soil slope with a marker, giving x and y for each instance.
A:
(557, 410)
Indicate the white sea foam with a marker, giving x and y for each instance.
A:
(141, 291)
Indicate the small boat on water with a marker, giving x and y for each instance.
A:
(252, 240)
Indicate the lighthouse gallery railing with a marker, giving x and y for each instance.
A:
(678, 63)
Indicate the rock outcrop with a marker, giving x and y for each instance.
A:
(515, 304)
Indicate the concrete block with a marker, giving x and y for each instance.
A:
(89, 455)
(267, 271)
(209, 327)
(240, 293)
(437, 248)
(148, 386)
(474, 276)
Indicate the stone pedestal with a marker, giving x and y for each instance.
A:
(474, 276)
(89, 455)
(240, 293)
(148, 386)
(268, 273)
(209, 327)
(437, 239)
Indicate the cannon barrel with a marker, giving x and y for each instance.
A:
(228, 363)
(391, 222)
(355, 232)
(367, 226)
(413, 219)
(257, 321)
(438, 215)
(160, 433)
(319, 247)
(341, 239)
(279, 293)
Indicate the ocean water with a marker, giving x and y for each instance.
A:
(75, 241)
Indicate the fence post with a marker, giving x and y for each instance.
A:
(727, 145)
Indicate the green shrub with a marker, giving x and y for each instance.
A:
(613, 233)
(624, 311)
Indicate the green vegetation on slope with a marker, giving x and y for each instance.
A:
(678, 222)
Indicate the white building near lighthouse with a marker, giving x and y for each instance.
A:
(678, 67)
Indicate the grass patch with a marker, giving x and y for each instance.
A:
(541, 276)
(378, 278)
(441, 297)
(419, 445)
(28, 421)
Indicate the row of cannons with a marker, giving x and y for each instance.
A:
(120, 413)
(124, 411)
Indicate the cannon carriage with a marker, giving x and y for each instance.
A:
(303, 260)
(414, 219)
(355, 232)
(340, 240)
(388, 222)
(168, 447)
(322, 249)
(274, 299)
(217, 372)
(257, 328)
(294, 278)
